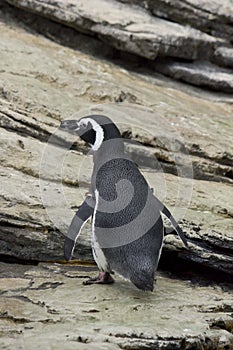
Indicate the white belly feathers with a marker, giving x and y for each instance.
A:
(96, 249)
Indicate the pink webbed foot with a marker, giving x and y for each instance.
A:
(102, 278)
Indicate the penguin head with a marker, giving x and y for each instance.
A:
(94, 129)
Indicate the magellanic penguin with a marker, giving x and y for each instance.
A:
(127, 228)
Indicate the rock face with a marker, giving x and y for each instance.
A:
(208, 16)
(44, 182)
(39, 196)
(181, 137)
(199, 73)
(188, 31)
(126, 28)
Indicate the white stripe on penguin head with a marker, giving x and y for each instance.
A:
(97, 128)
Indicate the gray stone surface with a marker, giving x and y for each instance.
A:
(47, 307)
(42, 185)
(224, 56)
(209, 16)
(134, 30)
(126, 28)
(45, 174)
(199, 73)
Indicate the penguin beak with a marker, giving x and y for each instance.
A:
(80, 128)
(70, 125)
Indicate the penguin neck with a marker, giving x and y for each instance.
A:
(109, 149)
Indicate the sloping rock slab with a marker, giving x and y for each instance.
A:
(48, 303)
(209, 16)
(125, 27)
(43, 83)
(198, 73)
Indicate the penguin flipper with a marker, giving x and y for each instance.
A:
(174, 223)
(68, 248)
(82, 215)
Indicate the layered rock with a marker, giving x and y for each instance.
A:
(224, 56)
(43, 83)
(208, 16)
(182, 140)
(126, 28)
(199, 73)
(188, 31)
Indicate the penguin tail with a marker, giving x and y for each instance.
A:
(174, 223)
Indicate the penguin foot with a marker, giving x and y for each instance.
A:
(102, 278)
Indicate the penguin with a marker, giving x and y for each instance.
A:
(127, 227)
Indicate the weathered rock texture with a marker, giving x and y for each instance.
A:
(203, 31)
(43, 183)
(126, 28)
(48, 307)
(224, 56)
(184, 147)
(199, 73)
(208, 16)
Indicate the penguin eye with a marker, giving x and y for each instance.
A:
(83, 124)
